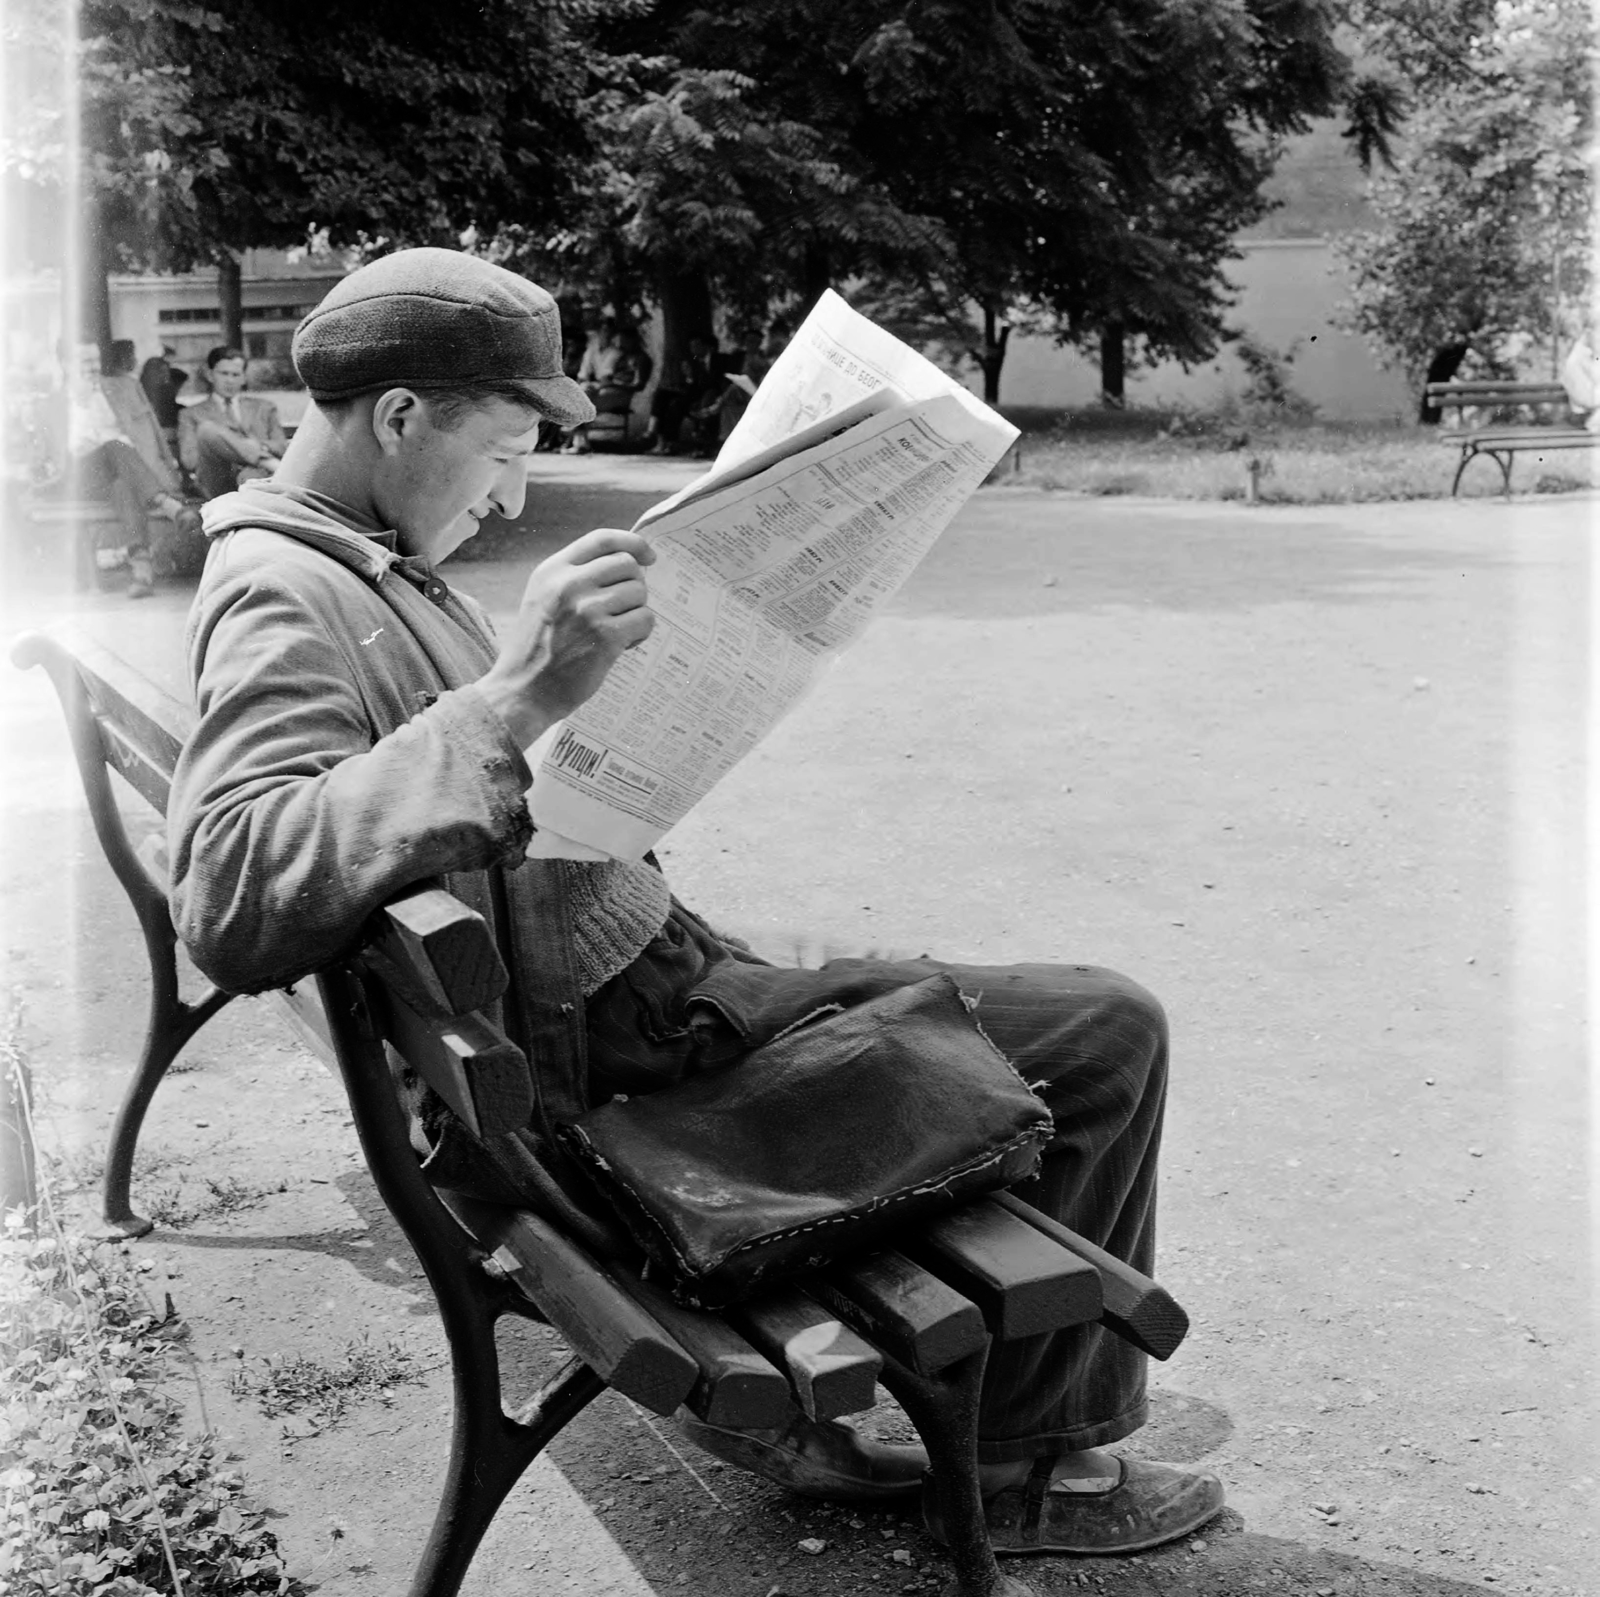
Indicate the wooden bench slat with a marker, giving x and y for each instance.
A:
(149, 780)
(146, 714)
(578, 1295)
(1136, 1308)
(1023, 1282)
(832, 1371)
(737, 1385)
(472, 1065)
(1525, 438)
(917, 1319)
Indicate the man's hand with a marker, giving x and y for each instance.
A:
(582, 607)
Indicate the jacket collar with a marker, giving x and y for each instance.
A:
(371, 554)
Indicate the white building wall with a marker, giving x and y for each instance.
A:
(1288, 292)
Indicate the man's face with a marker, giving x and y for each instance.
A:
(227, 378)
(434, 484)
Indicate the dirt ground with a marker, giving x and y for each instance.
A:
(1318, 778)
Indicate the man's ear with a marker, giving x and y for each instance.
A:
(396, 414)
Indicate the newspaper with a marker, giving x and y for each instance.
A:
(853, 456)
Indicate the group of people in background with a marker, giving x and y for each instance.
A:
(155, 446)
(697, 400)
(133, 444)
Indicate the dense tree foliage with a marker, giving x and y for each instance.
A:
(1482, 236)
(962, 168)
(210, 129)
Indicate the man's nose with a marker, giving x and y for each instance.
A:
(510, 490)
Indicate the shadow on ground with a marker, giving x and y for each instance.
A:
(740, 1535)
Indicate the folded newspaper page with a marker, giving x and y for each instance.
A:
(854, 455)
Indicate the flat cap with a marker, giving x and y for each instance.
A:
(433, 318)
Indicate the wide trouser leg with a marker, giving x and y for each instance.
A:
(1094, 1044)
(116, 474)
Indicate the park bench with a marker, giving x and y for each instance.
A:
(918, 1317)
(80, 525)
(1501, 440)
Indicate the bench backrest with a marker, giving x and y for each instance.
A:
(434, 959)
(1489, 392)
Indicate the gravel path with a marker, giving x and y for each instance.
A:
(1316, 777)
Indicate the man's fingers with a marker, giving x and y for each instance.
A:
(634, 627)
(608, 569)
(607, 541)
(618, 598)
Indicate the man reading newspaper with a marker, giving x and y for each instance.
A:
(361, 728)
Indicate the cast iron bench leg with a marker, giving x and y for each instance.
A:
(172, 1021)
(171, 1024)
(489, 1449)
(1467, 453)
(944, 1408)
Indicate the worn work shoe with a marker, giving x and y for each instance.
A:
(817, 1458)
(1149, 1505)
(141, 576)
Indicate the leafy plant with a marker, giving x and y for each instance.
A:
(1481, 241)
(100, 1489)
(323, 1391)
(1268, 393)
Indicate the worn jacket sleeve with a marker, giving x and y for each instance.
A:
(188, 439)
(290, 822)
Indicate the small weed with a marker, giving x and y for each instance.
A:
(79, 1169)
(322, 1391)
(177, 1205)
(1557, 482)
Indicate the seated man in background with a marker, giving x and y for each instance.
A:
(361, 729)
(1580, 376)
(137, 416)
(229, 436)
(93, 457)
(162, 382)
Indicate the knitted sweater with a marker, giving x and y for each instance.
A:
(342, 754)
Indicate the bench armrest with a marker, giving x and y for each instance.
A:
(433, 965)
(437, 954)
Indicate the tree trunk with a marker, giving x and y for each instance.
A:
(1445, 364)
(816, 276)
(230, 292)
(685, 314)
(1113, 365)
(996, 335)
(94, 303)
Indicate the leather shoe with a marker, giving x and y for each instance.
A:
(816, 1458)
(1149, 1505)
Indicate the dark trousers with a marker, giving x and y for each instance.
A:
(1091, 1042)
(117, 474)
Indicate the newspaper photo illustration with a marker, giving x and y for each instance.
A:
(853, 456)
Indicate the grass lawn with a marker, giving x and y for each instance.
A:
(1164, 456)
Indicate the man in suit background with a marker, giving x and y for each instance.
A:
(229, 436)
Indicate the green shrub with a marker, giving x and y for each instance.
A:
(97, 1478)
